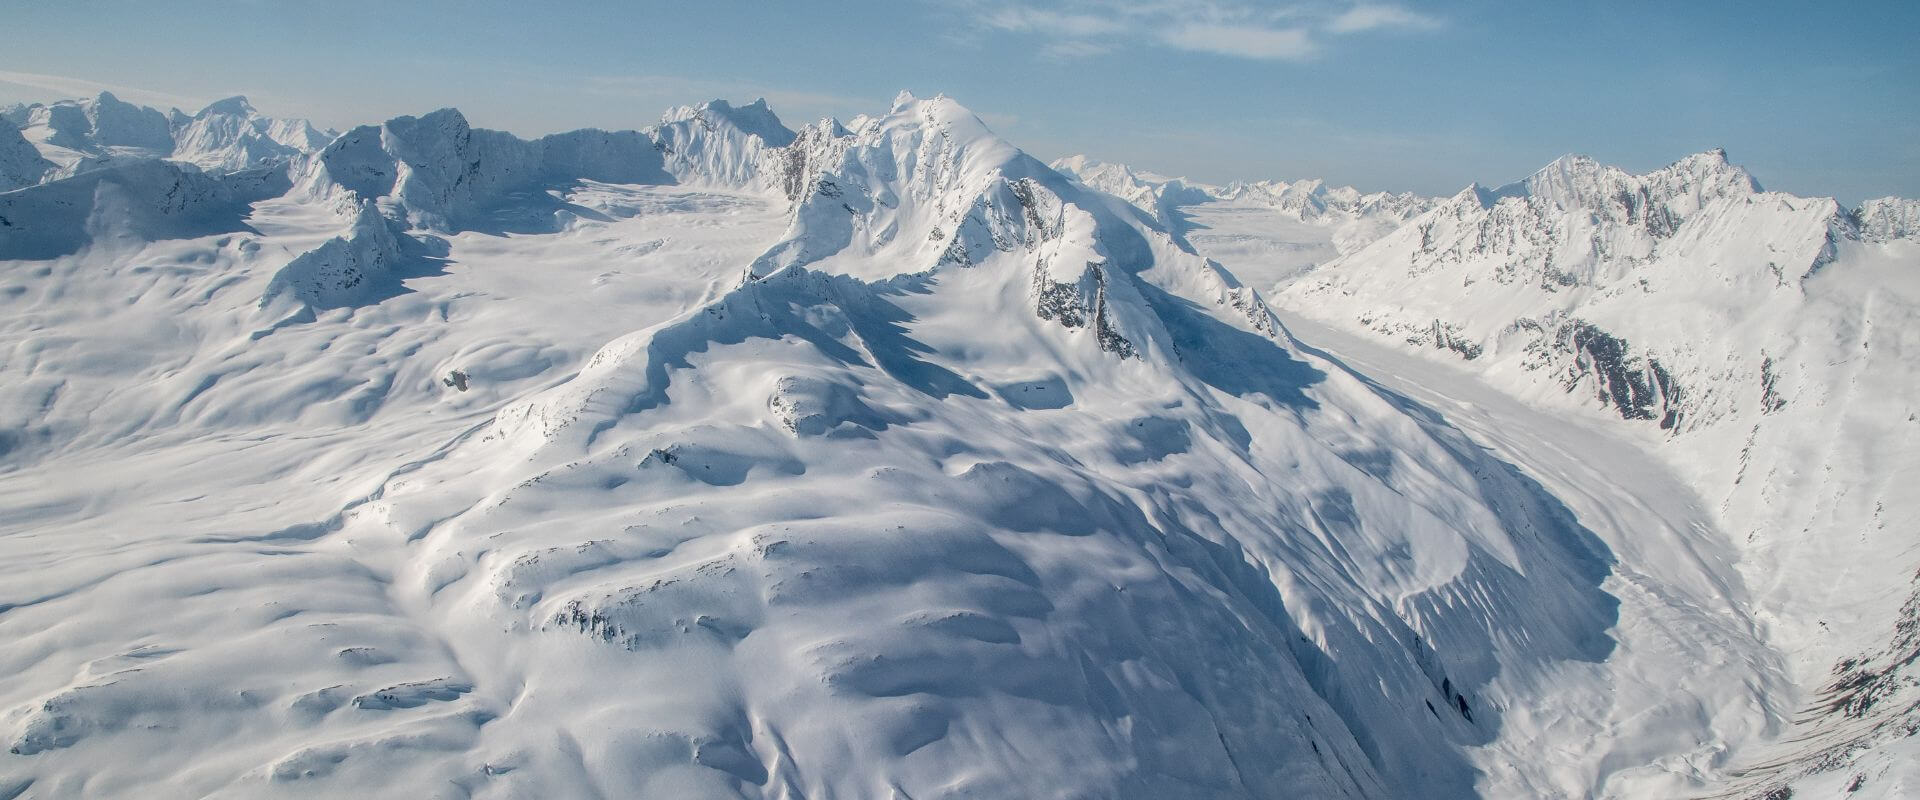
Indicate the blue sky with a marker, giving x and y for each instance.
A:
(1816, 99)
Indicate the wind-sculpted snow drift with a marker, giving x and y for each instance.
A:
(875, 459)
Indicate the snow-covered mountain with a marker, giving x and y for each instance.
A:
(868, 459)
(230, 135)
(1768, 338)
(226, 136)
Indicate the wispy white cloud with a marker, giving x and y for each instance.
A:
(1368, 17)
(1071, 25)
(1250, 29)
(1074, 48)
(40, 87)
(1245, 41)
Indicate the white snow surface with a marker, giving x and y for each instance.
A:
(880, 459)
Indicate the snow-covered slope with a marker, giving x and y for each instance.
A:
(720, 459)
(1770, 339)
(20, 162)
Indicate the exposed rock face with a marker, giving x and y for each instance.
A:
(1586, 356)
(1888, 218)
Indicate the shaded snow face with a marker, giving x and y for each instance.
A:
(127, 204)
(20, 163)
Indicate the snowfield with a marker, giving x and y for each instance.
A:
(879, 459)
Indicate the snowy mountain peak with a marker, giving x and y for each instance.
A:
(118, 123)
(954, 122)
(236, 105)
(754, 118)
(1475, 196)
(1579, 182)
(78, 134)
(230, 135)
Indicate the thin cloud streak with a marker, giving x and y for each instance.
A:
(46, 87)
(1231, 28)
(1291, 44)
(1372, 17)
